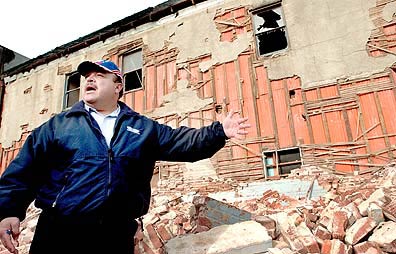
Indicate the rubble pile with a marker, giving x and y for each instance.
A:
(356, 215)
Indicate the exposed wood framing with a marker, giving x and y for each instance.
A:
(289, 112)
(382, 49)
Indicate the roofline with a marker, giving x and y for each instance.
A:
(150, 14)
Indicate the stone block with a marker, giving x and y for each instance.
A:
(377, 196)
(359, 230)
(374, 211)
(239, 238)
(385, 236)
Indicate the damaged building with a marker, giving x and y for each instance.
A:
(316, 79)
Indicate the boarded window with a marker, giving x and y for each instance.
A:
(132, 65)
(281, 162)
(270, 29)
(72, 90)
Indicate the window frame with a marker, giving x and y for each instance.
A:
(262, 9)
(67, 92)
(125, 73)
(281, 159)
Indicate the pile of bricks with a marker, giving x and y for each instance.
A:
(357, 215)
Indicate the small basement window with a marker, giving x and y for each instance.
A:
(72, 90)
(269, 29)
(132, 65)
(281, 162)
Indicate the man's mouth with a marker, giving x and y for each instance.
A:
(90, 88)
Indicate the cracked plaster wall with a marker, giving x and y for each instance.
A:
(327, 41)
(24, 108)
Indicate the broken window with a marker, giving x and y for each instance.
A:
(269, 29)
(132, 65)
(281, 162)
(72, 90)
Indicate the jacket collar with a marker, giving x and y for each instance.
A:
(79, 108)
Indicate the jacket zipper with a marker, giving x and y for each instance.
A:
(60, 192)
(110, 156)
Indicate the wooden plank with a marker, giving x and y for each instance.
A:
(139, 101)
(264, 108)
(287, 88)
(387, 103)
(382, 122)
(307, 118)
(171, 78)
(231, 90)
(323, 115)
(282, 115)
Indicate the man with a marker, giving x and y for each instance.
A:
(89, 169)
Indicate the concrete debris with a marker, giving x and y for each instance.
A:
(356, 214)
(238, 238)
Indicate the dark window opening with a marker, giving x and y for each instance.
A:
(72, 90)
(281, 162)
(292, 94)
(132, 65)
(218, 109)
(270, 30)
(133, 80)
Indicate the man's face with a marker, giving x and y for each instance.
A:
(100, 87)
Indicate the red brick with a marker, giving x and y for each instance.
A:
(179, 220)
(146, 248)
(200, 229)
(269, 194)
(359, 230)
(163, 233)
(326, 247)
(311, 225)
(187, 226)
(352, 212)
(311, 246)
(203, 221)
(335, 246)
(366, 247)
(390, 210)
(266, 221)
(322, 234)
(340, 221)
(152, 235)
(325, 221)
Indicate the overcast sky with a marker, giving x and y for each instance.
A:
(34, 27)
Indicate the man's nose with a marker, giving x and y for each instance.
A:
(90, 77)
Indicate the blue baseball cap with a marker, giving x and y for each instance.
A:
(102, 65)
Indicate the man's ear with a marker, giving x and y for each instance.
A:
(119, 87)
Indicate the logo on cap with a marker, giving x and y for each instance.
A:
(85, 67)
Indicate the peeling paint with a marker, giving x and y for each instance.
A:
(327, 41)
(227, 51)
(389, 11)
(182, 101)
(195, 36)
(199, 169)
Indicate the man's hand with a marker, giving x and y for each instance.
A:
(9, 233)
(235, 127)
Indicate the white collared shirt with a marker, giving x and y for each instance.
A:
(106, 122)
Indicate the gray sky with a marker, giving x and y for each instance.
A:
(34, 27)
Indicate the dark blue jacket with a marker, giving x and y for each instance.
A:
(66, 164)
